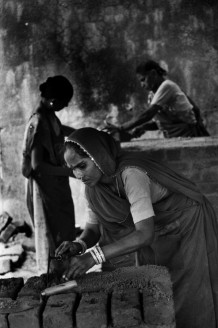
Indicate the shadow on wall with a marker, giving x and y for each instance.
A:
(105, 80)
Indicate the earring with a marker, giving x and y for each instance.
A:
(51, 103)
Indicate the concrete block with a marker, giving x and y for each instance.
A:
(158, 311)
(10, 287)
(210, 175)
(3, 321)
(5, 266)
(208, 188)
(33, 286)
(158, 305)
(11, 250)
(174, 154)
(92, 311)
(31, 318)
(5, 219)
(59, 311)
(7, 232)
(125, 308)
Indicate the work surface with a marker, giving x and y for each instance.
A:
(127, 297)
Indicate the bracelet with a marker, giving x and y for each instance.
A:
(94, 256)
(101, 254)
(83, 245)
(98, 255)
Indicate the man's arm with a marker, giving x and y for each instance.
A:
(139, 130)
(144, 117)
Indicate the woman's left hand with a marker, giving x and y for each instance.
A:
(78, 266)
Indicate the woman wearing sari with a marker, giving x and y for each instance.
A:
(43, 161)
(169, 109)
(139, 205)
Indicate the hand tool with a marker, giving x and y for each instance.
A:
(59, 289)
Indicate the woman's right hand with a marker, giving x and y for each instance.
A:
(68, 249)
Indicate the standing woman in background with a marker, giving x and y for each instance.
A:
(43, 160)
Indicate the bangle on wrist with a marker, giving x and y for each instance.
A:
(98, 255)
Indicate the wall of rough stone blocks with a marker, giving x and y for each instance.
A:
(97, 45)
(149, 306)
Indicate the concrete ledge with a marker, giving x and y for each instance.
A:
(162, 143)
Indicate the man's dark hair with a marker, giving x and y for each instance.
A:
(145, 67)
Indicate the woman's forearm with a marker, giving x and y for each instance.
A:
(144, 117)
(41, 167)
(128, 244)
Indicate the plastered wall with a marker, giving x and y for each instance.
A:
(97, 45)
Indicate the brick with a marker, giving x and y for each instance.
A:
(208, 188)
(174, 154)
(125, 308)
(157, 154)
(10, 287)
(204, 163)
(31, 318)
(210, 175)
(15, 250)
(180, 167)
(7, 232)
(5, 265)
(33, 286)
(211, 152)
(196, 153)
(59, 311)
(212, 199)
(3, 321)
(158, 311)
(5, 219)
(92, 311)
(158, 305)
(195, 175)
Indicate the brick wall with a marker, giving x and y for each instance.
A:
(144, 299)
(196, 158)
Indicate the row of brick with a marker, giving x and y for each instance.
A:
(150, 306)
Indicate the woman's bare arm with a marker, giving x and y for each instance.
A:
(144, 117)
(142, 236)
(41, 167)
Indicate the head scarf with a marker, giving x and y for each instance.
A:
(100, 146)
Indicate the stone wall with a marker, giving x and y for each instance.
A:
(97, 45)
(138, 297)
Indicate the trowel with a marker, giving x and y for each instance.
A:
(61, 288)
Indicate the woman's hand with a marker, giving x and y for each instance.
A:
(68, 249)
(78, 266)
